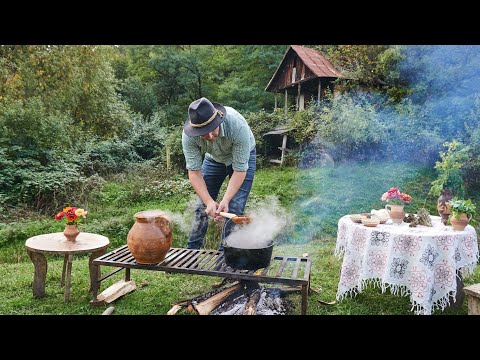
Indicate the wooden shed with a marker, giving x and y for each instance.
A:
(304, 73)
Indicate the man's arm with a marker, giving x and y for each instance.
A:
(234, 184)
(196, 179)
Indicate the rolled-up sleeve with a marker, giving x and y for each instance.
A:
(241, 149)
(192, 153)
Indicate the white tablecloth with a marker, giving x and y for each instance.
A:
(421, 261)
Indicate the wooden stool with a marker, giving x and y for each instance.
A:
(473, 296)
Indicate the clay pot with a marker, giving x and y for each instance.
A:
(71, 232)
(461, 223)
(443, 205)
(150, 237)
(396, 213)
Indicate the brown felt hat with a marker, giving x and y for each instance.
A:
(203, 117)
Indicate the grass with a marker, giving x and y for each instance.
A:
(316, 198)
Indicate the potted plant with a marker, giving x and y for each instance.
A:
(462, 212)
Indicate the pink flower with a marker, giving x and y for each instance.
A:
(394, 196)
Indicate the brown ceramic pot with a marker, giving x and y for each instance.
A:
(71, 232)
(443, 205)
(150, 237)
(396, 213)
(461, 223)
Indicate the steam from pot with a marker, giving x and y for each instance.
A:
(268, 219)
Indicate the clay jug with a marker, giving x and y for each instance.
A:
(461, 223)
(150, 237)
(443, 205)
(396, 213)
(71, 232)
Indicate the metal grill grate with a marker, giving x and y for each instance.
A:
(282, 269)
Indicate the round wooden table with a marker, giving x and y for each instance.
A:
(56, 243)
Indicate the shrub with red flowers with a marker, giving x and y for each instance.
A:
(395, 197)
(71, 215)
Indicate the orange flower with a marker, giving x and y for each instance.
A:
(71, 215)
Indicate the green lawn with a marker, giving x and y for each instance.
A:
(315, 198)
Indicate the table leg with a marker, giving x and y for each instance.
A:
(65, 260)
(68, 278)
(40, 264)
(94, 270)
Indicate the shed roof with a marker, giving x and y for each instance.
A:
(312, 59)
(316, 62)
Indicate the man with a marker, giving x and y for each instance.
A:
(224, 136)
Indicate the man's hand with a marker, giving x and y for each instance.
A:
(211, 209)
(222, 207)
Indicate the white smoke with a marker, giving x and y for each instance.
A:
(183, 222)
(268, 219)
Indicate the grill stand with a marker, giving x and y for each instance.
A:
(293, 271)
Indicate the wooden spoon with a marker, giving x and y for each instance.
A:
(242, 219)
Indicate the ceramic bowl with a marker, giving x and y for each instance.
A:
(371, 222)
(356, 218)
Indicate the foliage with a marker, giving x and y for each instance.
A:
(459, 206)
(373, 66)
(349, 126)
(449, 173)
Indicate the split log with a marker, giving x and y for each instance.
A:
(207, 306)
(251, 305)
(174, 309)
(289, 289)
(116, 290)
(109, 311)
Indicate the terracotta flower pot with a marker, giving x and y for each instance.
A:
(461, 223)
(150, 237)
(396, 213)
(71, 232)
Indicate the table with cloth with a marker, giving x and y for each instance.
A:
(422, 262)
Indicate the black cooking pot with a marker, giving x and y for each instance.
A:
(247, 259)
(244, 258)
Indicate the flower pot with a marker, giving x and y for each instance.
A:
(461, 223)
(150, 237)
(71, 232)
(396, 213)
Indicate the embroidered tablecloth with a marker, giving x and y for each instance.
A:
(418, 261)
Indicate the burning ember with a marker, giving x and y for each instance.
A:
(270, 302)
(239, 298)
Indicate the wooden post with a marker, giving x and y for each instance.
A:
(297, 104)
(284, 146)
(319, 89)
(275, 101)
(301, 105)
(286, 103)
(168, 158)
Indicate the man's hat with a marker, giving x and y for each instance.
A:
(203, 117)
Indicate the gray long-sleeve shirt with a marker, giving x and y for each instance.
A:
(232, 146)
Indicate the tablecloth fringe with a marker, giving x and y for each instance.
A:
(402, 290)
(339, 251)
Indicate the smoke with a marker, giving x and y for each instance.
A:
(367, 143)
(183, 222)
(268, 219)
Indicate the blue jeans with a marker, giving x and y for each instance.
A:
(214, 173)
